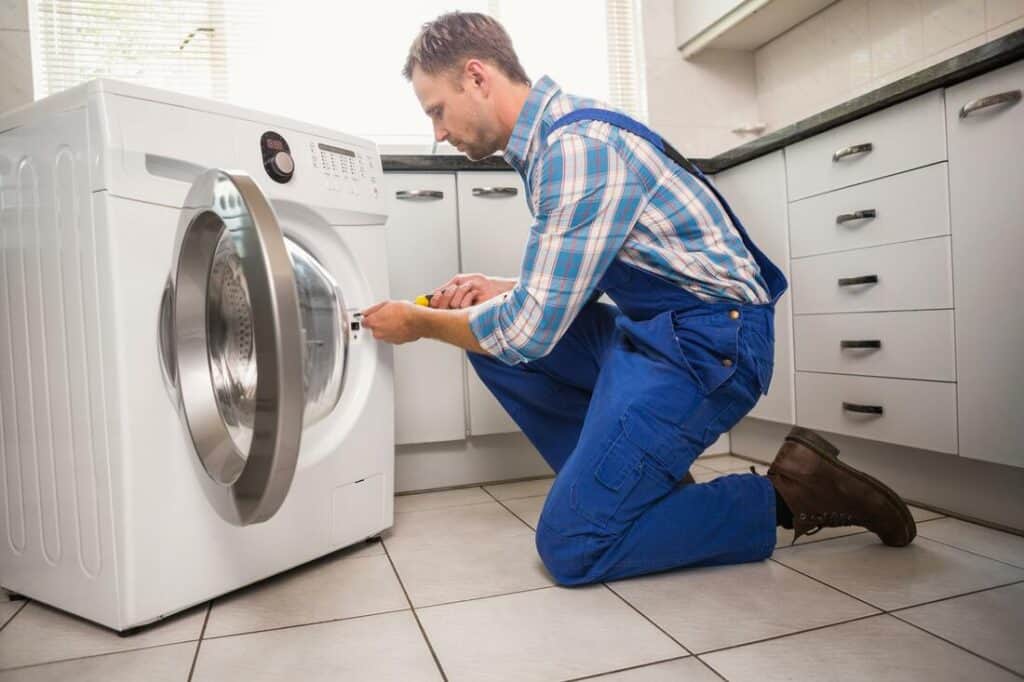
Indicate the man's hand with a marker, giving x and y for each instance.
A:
(463, 291)
(392, 321)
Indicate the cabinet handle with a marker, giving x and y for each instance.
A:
(854, 281)
(863, 409)
(866, 343)
(415, 194)
(840, 154)
(856, 215)
(495, 191)
(1010, 98)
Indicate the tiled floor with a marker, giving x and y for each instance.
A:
(456, 592)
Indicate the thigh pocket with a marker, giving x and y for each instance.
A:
(620, 487)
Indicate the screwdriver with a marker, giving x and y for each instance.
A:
(423, 300)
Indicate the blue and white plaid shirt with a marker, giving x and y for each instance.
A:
(597, 193)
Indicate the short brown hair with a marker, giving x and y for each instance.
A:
(446, 43)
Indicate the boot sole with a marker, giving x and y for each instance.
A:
(889, 493)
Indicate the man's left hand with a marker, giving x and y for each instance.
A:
(393, 321)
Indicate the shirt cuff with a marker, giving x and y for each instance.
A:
(485, 323)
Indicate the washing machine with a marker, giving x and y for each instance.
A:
(188, 402)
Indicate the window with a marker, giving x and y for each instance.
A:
(327, 63)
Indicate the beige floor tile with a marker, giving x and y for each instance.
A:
(551, 634)
(511, 491)
(452, 526)
(8, 609)
(440, 500)
(40, 635)
(719, 606)
(159, 664)
(880, 648)
(388, 646)
(705, 476)
(323, 590)
(978, 539)
(527, 508)
(895, 577)
(483, 567)
(989, 623)
(920, 514)
(687, 669)
(727, 463)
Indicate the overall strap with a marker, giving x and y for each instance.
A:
(777, 283)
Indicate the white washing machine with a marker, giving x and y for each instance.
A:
(187, 401)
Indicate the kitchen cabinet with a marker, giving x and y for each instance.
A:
(756, 190)
(423, 252)
(737, 24)
(985, 132)
(494, 223)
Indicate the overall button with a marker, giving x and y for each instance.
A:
(726, 362)
(734, 314)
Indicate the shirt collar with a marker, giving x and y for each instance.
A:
(530, 116)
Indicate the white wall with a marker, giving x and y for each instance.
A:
(15, 51)
(854, 46)
(695, 104)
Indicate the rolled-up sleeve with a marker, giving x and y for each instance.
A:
(587, 201)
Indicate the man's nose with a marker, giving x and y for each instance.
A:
(440, 134)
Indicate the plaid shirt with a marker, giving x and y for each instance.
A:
(598, 193)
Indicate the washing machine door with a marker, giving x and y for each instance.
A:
(237, 345)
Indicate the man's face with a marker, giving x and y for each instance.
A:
(459, 110)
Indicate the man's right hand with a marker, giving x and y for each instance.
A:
(463, 291)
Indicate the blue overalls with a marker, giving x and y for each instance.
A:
(626, 401)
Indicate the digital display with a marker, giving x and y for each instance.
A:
(336, 150)
(273, 143)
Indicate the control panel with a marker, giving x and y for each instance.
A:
(348, 171)
(277, 157)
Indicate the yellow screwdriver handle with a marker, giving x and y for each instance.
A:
(423, 300)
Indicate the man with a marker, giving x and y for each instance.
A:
(621, 399)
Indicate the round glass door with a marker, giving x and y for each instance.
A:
(238, 345)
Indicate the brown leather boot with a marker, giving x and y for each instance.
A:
(823, 492)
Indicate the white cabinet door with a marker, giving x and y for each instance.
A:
(986, 175)
(756, 190)
(494, 222)
(423, 251)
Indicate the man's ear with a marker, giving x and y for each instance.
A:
(477, 74)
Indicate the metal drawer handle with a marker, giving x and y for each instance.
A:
(495, 191)
(1009, 98)
(851, 150)
(856, 215)
(414, 194)
(866, 343)
(863, 409)
(854, 281)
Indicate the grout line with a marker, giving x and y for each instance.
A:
(301, 625)
(789, 634)
(833, 587)
(15, 614)
(510, 511)
(100, 655)
(962, 549)
(415, 615)
(633, 667)
(958, 646)
(955, 596)
(486, 596)
(202, 631)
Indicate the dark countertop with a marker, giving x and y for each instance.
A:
(999, 52)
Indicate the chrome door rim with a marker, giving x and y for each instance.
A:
(249, 488)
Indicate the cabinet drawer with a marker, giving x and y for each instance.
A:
(900, 208)
(919, 414)
(906, 345)
(911, 276)
(904, 136)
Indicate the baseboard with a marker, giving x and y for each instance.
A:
(974, 490)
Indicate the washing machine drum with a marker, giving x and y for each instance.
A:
(254, 340)
(232, 345)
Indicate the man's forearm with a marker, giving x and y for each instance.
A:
(449, 326)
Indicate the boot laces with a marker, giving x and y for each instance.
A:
(828, 520)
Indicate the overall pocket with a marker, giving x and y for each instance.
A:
(708, 341)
